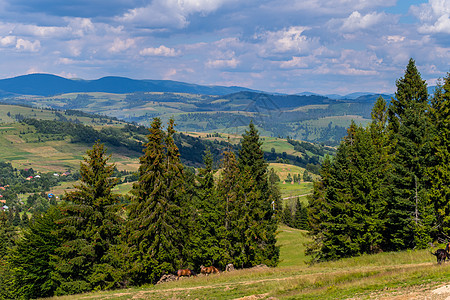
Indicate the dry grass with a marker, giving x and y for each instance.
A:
(368, 276)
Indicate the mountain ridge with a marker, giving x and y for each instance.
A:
(41, 84)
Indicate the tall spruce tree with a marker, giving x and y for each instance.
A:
(31, 258)
(408, 219)
(319, 209)
(439, 170)
(345, 208)
(228, 232)
(154, 223)
(251, 156)
(90, 226)
(301, 215)
(206, 218)
(267, 198)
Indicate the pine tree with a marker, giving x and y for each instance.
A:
(31, 259)
(346, 207)
(408, 211)
(90, 226)
(319, 210)
(153, 229)
(206, 218)
(287, 216)
(262, 209)
(251, 156)
(301, 216)
(228, 232)
(439, 170)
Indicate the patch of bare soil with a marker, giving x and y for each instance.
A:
(422, 292)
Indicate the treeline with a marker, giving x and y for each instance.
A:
(175, 219)
(387, 188)
(295, 216)
(132, 137)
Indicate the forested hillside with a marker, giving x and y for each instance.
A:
(95, 240)
(387, 187)
(310, 118)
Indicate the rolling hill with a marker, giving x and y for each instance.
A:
(308, 117)
(49, 85)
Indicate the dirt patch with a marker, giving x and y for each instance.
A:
(45, 151)
(254, 297)
(428, 292)
(14, 138)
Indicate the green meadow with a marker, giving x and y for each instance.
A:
(380, 276)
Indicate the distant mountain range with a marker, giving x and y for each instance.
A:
(49, 85)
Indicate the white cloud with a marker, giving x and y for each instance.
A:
(80, 26)
(223, 63)
(356, 21)
(286, 41)
(33, 70)
(120, 45)
(28, 46)
(434, 16)
(42, 31)
(170, 13)
(8, 41)
(394, 38)
(74, 47)
(326, 7)
(65, 61)
(295, 62)
(442, 25)
(160, 51)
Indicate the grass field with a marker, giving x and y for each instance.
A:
(381, 276)
(21, 146)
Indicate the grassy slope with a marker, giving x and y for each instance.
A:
(384, 274)
(24, 148)
(48, 156)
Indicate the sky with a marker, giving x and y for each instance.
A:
(283, 46)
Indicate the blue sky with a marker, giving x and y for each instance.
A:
(288, 46)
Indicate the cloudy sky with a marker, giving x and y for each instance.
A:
(289, 46)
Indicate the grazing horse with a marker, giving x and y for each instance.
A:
(185, 272)
(441, 255)
(208, 270)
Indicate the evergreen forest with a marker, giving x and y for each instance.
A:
(387, 187)
(174, 218)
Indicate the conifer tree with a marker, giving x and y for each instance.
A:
(287, 216)
(256, 202)
(301, 216)
(227, 191)
(89, 227)
(408, 217)
(319, 210)
(206, 219)
(31, 259)
(346, 207)
(153, 228)
(262, 209)
(251, 156)
(439, 170)
(174, 168)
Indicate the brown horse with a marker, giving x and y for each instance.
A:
(185, 272)
(208, 270)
